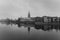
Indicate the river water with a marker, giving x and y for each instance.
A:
(13, 32)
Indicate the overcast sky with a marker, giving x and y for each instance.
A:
(18, 8)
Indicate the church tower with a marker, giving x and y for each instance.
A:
(29, 14)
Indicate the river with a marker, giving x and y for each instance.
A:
(13, 32)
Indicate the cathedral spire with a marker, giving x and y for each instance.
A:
(29, 14)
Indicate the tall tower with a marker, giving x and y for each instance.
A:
(28, 22)
(29, 14)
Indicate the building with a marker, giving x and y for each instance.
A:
(48, 19)
(27, 20)
(45, 19)
(38, 19)
(54, 19)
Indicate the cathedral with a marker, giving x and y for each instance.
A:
(28, 18)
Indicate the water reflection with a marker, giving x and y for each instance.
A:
(35, 35)
(37, 27)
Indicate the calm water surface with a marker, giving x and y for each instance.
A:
(13, 32)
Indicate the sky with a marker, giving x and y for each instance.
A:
(20, 8)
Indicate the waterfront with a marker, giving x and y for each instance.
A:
(13, 32)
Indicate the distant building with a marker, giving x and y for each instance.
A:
(59, 19)
(48, 19)
(27, 18)
(45, 19)
(54, 19)
(38, 19)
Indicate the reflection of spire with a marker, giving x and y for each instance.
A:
(29, 14)
(28, 29)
